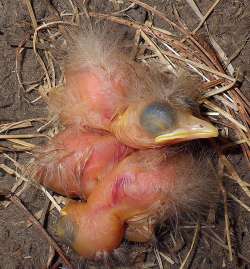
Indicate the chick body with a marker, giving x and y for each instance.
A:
(106, 89)
(146, 187)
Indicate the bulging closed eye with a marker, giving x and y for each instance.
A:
(157, 117)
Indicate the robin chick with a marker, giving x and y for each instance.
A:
(143, 189)
(105, 89)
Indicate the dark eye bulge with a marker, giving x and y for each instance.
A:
(157, 117)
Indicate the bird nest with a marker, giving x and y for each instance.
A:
(172, 44)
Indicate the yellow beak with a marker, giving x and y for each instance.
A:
(191, 128)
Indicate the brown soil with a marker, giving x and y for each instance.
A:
(22, 245)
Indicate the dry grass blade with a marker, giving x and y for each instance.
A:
(227, 223)
(184, 31)
(215, 45)
(39, 58)
(239, 201)
(138, 26)
(195, 8)
(50, 257)
(24, 136)
(35, 26)
(158, 258)
(22, 144)
(31, 13)
(238, 51)
(15, 125)
(214, 107)
(200, 66)
(167, 258)
(12, 172)
(234, 175)
(238, 142)
(163, 59)
(226, 103)
(192, 248)
(131, 6)
(222, 55)
(4, 128)
(226, 217)
(52, 199)
(219, 90)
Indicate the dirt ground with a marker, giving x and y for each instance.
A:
(21, 245)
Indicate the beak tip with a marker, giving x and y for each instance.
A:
(209, 131)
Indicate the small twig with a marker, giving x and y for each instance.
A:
(124, 10)
(237, 52)
(158, 13)
(206, 16)
(40, 228)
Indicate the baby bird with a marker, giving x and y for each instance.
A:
(105, 89)
(74, 161)
(145, 188)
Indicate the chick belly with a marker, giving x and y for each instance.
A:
(120, 214)
(133, 197)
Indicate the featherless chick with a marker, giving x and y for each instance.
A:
(105, 89)
(144, 189)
